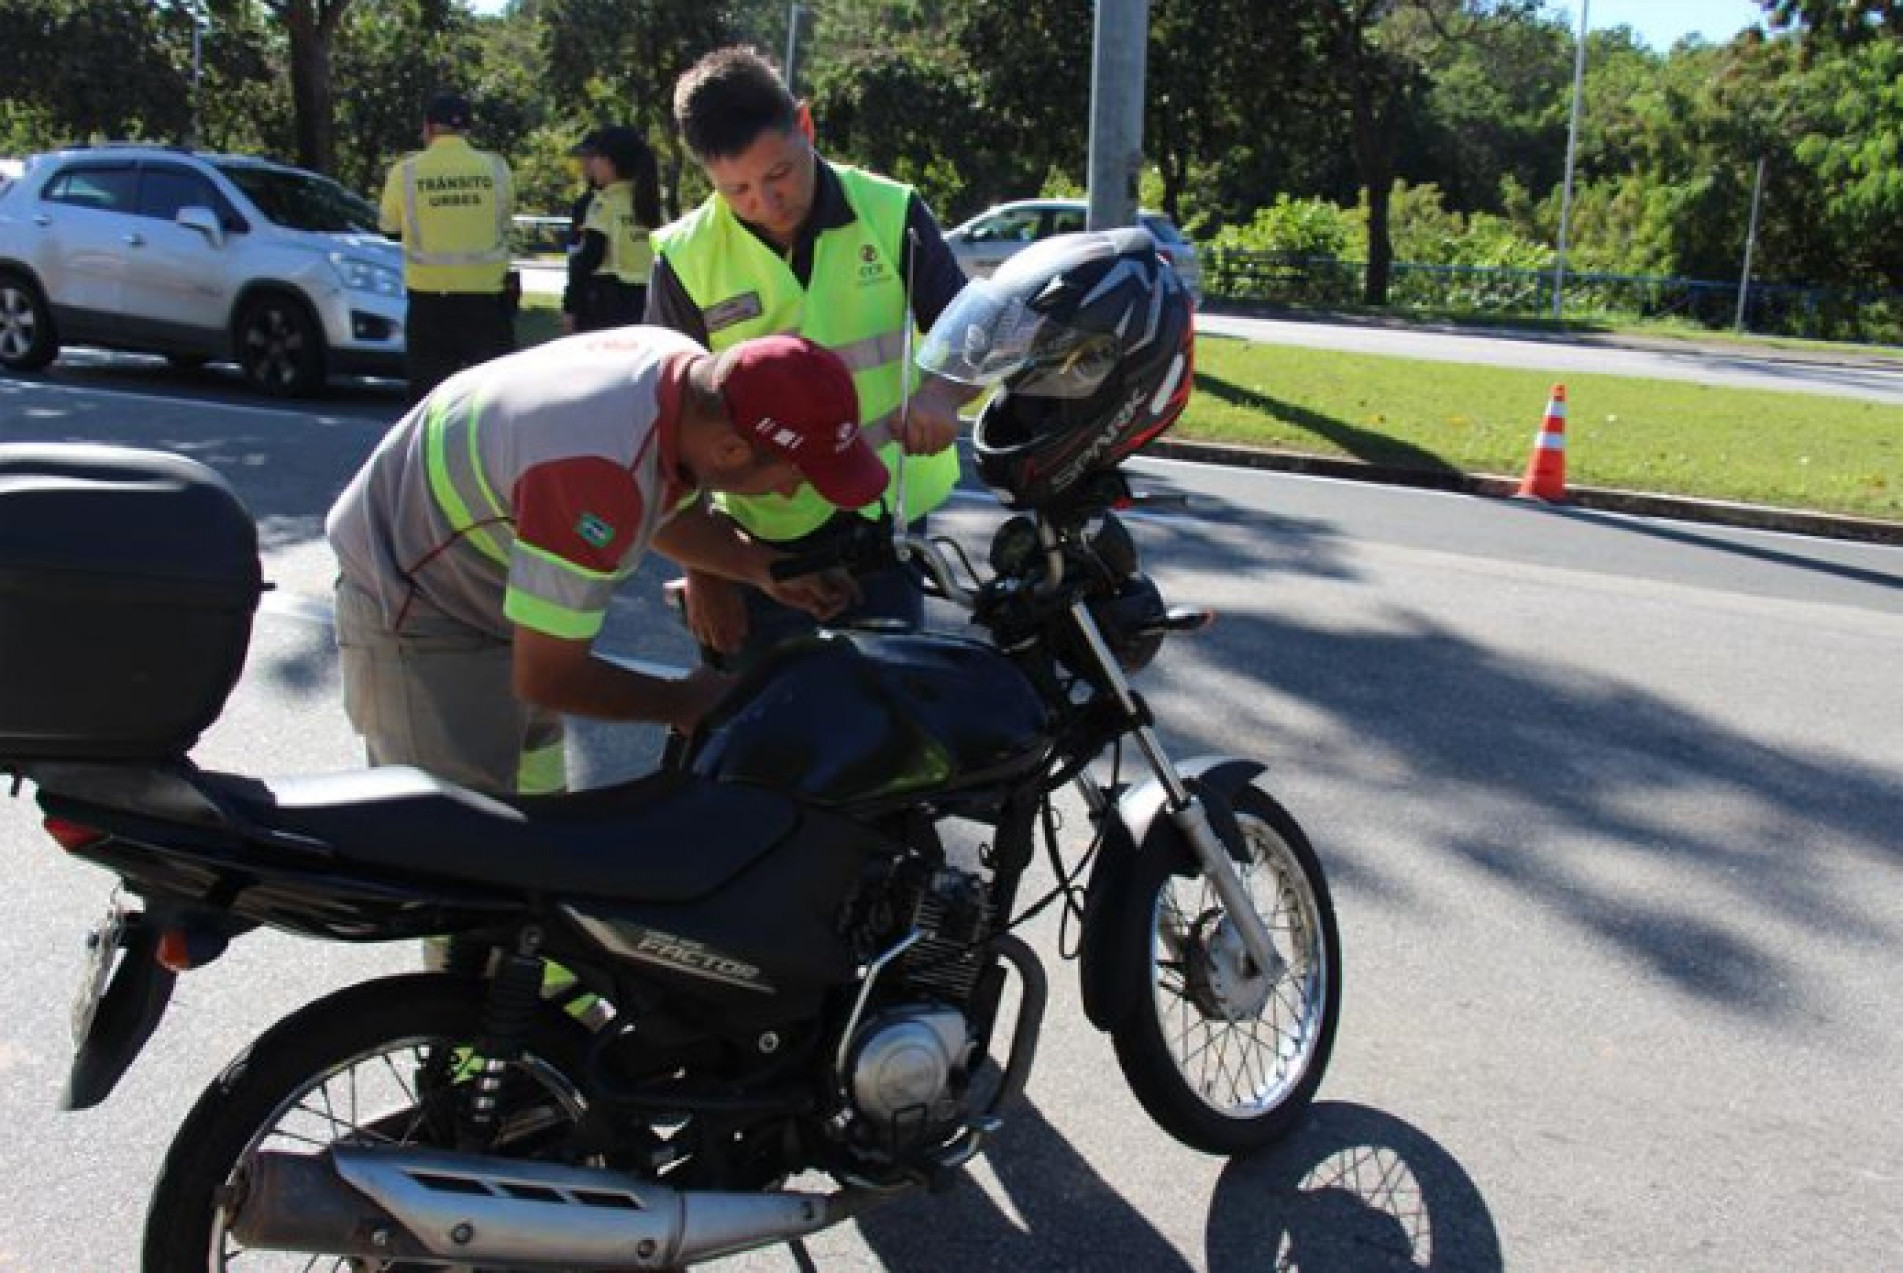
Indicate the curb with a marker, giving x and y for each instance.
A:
(1711, 512)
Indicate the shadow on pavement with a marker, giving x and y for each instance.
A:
(1353, 1190)
(1577, 779)
(1067, 1216)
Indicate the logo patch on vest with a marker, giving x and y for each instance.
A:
(594, 532)
(735, 309)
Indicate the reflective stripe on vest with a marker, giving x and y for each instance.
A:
(855, 305)
(430, 264)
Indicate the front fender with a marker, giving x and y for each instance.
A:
(1112, 978)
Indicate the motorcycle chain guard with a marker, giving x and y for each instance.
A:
(1115, 980)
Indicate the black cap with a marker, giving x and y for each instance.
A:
(589, 144)
(450, 110)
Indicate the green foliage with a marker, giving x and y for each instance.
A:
(1298, 227)
(71, 70)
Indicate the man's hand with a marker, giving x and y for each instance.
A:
(821, 595)
(716, 611)
(694, 696)
(932, 419)
(568, 324)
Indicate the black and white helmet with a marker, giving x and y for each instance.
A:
(1091, 340)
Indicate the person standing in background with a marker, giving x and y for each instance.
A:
(583, 153)
(451, 205)
(608, 269)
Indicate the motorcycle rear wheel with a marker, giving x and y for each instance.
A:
(1224, 1059)
(349, 1068)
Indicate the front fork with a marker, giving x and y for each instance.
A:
(1184, 809)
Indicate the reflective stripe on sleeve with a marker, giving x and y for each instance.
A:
(456, 480)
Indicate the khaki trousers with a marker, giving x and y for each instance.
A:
(439, 695)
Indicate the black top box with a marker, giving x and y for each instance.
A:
(128, 580)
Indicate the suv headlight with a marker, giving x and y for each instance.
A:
(367, 276)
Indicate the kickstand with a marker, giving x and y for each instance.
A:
(802, 1258)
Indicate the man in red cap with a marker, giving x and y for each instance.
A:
(481, 543)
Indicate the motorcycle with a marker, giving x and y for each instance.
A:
(790, 969)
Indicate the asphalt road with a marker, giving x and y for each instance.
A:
(1610, 809)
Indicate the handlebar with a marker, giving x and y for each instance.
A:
(878, 545)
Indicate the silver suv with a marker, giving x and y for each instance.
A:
(201, 258)
(998, 233)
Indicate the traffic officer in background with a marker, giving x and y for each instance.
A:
(789, 242)
(451, 205)
(608, 267)
(583, 153)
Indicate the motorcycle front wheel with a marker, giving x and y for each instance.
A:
(380, 1063)
(1223, 1057)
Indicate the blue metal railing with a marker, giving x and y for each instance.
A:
(1770, 308)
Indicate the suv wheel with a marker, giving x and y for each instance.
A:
(279, 347)
(27, 341)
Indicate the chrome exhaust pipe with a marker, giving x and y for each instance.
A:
(391, 1203)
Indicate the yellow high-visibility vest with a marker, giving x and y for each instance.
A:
(630, 255)
(855, 305)
(452, 204)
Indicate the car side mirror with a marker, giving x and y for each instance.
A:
(205, 221)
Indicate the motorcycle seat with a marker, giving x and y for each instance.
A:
(666, 837)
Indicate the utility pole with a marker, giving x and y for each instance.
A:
(1116, 111)
(1572, 146)
(198, 23)
(1750, 242)
(793, 14)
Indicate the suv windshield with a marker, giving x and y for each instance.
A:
(302, 200)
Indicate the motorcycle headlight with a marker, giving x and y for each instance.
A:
(367, 276)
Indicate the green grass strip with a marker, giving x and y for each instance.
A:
(1790, 450)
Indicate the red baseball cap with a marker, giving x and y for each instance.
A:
(795, 397)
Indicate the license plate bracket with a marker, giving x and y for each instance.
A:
(103, 944)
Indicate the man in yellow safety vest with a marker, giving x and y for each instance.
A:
(451, 205)
(789, 242)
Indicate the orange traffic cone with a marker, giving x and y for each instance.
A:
(1546, 469)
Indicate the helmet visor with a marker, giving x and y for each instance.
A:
(987, 337)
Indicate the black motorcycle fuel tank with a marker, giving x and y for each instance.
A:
(860, 720)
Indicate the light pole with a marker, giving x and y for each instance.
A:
(1115, 158)
(1572, 147)
(1750, 241)
(793, 12)
(199, 20)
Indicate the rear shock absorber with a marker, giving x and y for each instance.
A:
(515, 994)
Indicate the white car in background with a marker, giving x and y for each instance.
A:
(198, 257)
(988, 239)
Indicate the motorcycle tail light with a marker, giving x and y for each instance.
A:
(73, 836)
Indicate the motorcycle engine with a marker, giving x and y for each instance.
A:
(907, 1068)
(910, 1059)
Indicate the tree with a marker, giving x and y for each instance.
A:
(311, 28)
(617, 60)
(1373, 67)
(111, 68)
(1847, 115)
(1839, 21)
